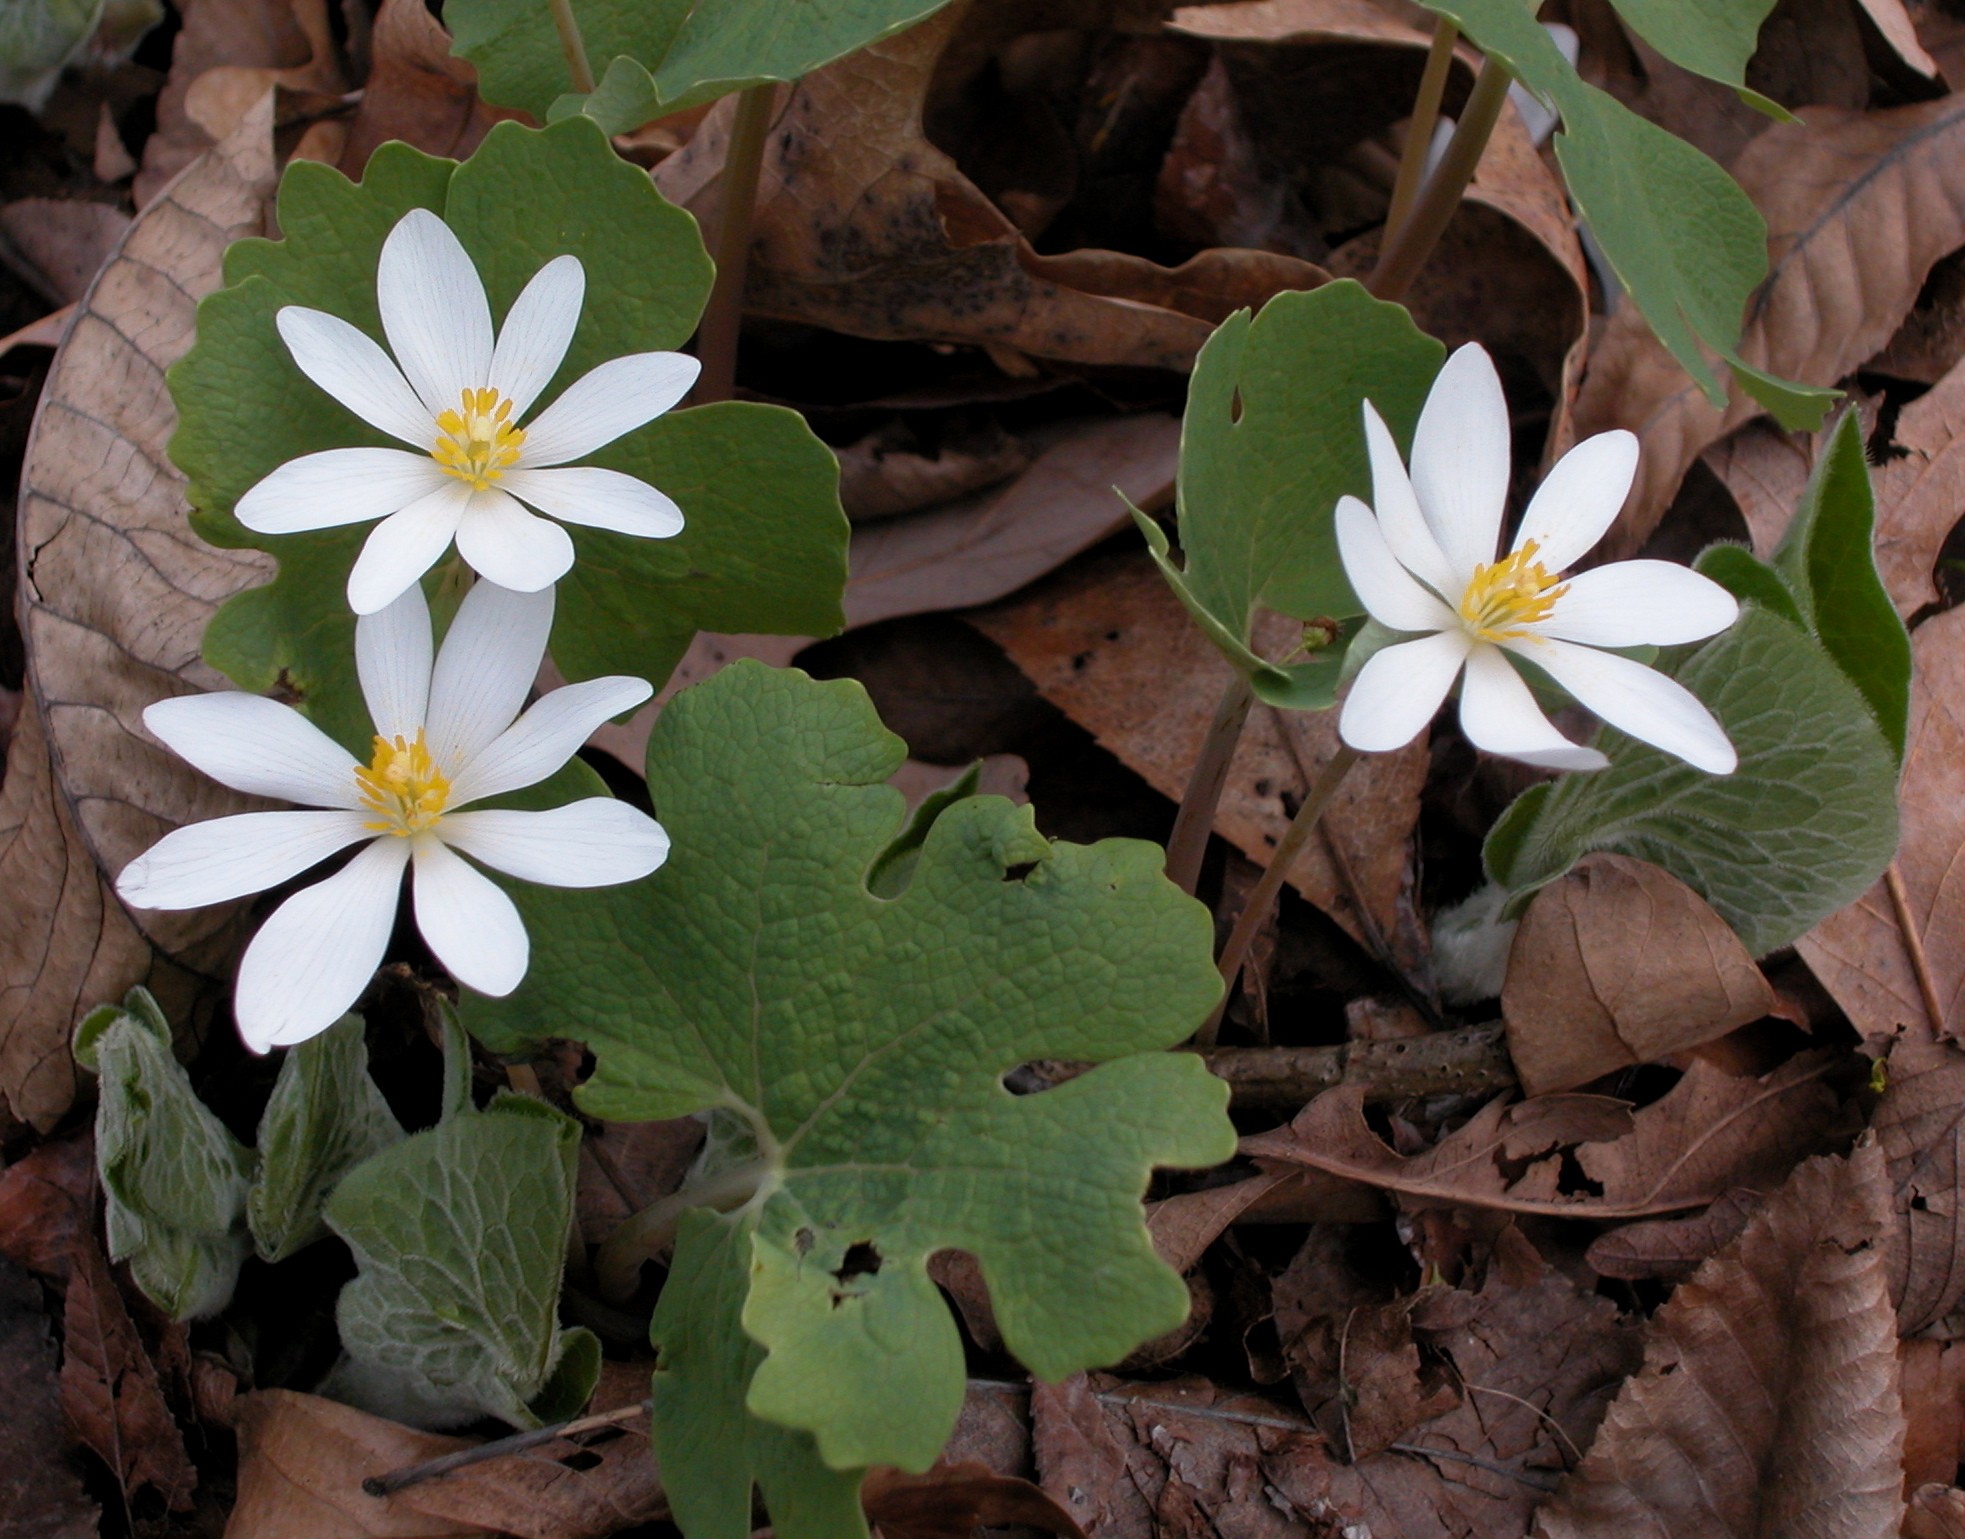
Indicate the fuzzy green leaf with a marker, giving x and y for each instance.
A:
(460, 1234)
(859, 1038)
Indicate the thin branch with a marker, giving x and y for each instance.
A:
(415, 1474)
(1920, 963)
(571, 45)
(1188, 844)
(1419, 129)
(716, 342)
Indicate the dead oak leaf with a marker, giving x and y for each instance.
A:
(1920, 1124)
(417, 91)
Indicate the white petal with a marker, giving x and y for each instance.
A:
(226, 858)
(311, 960)
(256, 745)
(600, 499)
(1399, 688)
(350, 366)
(433, 310)
(510, 546)
(336, 487)
(1460, 457)
(469, 922)
(1639, 700)
(1499, 715)
(392, 659)
(1399, 518)
(489, 660)
(405, 545)
(591, 843)
(545, 737)
(538, 330)
(606, 402)
(1579, 498)
(1387, 590)
(1639, 603)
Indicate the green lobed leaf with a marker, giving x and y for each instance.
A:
(1714, 38)
(324, 1118)
(516, 48)
(460, 1234)
(861, 1039)
(763, 548)
(1803, 826)
(174, 1179)
(1827, 560)
(1683, 238)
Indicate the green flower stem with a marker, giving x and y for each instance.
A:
(1188, 843)
(1263, 898)
(617, 1264)
(1419, 130)
(571, 45)
(1406, 248)
(716, 343)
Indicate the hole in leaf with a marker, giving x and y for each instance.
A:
(580, 1459)
(1235, 405)
(862, 1260)
(1019, 871)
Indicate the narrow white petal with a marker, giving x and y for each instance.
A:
(511, 547)
(336, 487)
(469, 922)
(1579, 498)
(433, 310)
(392, 659)
(1640, 603)
(256, 745)
(1499, 715)
(1387, 590)
(1399, 518)
(606, 402)
(599, 499)
(1460, 457)
(1399, 688)
(311, 960)
(545, 737)
(1639, 700)
(226, 858)
(405, 545)
(489, 659)
(538, 330)
(593, 843)
(350, 366)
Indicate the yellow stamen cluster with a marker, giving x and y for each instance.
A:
(1505, 598)
(403, 787)
(478, 442)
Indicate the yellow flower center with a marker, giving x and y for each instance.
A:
(403, 786)
(1505, 598)
(478, 442)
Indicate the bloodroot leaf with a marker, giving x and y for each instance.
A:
(855, 1044)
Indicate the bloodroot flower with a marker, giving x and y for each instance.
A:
(457, 397)
(1424, 560)
(444, 737)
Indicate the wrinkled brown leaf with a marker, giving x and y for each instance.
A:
(952, 1501)
(1936, 1512)
(1920, 491)
(55, 245)
(1858, 952)
(41, 1496)
(1620, 963)
(890, 472)
(1934, 1411)
(1708, 1133)
(1768, 1404)
(1859, 207)
(1671, 1249)
(417, 91)
(1920, 1124)
(115, 595)
(1766, 471)
(44, 1204)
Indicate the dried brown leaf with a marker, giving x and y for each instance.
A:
(890, 472)
(1671, 1249)
(1859, 207)
(1768, 1404)
(1620, 963)
(56, 245)
(1766, 471)
(1894, 24)
(40, 1494)
(115, 593)
(1934, 1410)
(1920, 1124)
(45, 1198)
(952, 1501)
(417, 91)
(1858, 952)
(1936, 1512)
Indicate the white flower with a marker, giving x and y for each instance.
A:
(445, 737)
(1424, 560)
(457, 400)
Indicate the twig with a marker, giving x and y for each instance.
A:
(571, 45)
(415, 1474)
(716, 342)
(1535, 1479)
(1920, 963)
(1188, 844)
(1419, 130)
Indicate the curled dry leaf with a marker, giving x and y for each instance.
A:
(417, 91)
(1859, 207)
(1920, 1124)
(1934, 1410)
(1620, 963)
(1936, 1512)
(1858, 952)
(952, 1501)
(1768, 1403)
(115, 593)
(45, 1201)
(1671, 1249)
(55, 245)
(40, 1492)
